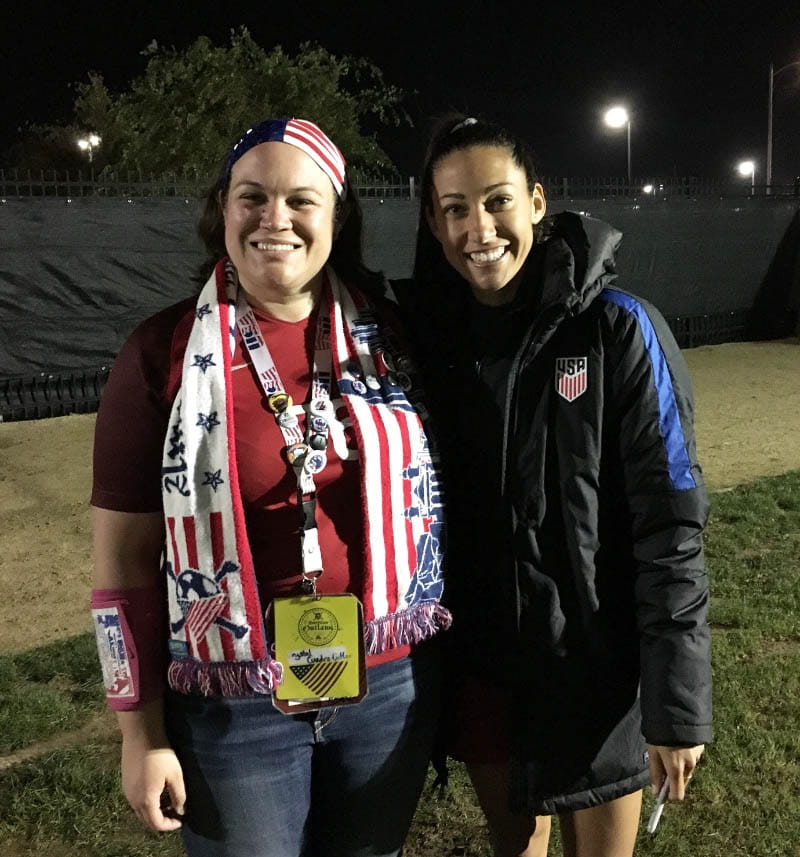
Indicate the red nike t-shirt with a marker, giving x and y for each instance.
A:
(132, 423)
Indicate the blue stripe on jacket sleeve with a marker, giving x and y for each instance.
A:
(680, 467)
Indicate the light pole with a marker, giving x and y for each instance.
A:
(748, 168)
(772, 76)
(89, 143)
(616, 117)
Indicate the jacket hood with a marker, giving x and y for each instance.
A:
(579, 259)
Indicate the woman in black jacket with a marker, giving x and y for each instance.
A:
(576, 506)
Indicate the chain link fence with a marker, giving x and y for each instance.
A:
(59, 183)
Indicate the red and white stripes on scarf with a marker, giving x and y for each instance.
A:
(218, 642)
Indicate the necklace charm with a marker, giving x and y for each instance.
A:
(279, 402)
(315, 462)
(286, 419)
(320, 407)
(318, 441)
(296, 454)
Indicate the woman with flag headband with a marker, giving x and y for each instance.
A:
(575, 506)
(268, 529)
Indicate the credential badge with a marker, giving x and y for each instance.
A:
(571, 377)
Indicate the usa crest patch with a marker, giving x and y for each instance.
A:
(571, 377)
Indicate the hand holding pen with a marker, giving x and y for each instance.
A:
(655, 815)
(671, 768)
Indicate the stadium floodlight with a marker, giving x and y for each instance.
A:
(618, 117)
(748, 168)
(89, 143)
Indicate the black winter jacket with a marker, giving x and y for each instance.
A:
(580, 585)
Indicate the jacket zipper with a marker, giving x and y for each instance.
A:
(543, 325)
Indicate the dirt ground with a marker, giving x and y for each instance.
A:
(747, 423)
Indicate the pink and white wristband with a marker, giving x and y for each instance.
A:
(130, 626)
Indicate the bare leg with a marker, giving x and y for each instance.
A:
(608, 830)
(511, 835)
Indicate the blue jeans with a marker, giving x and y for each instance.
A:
(341, 782)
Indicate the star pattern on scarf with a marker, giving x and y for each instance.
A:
(207, 421)
(213, 479)
(203, 311)
(203, 361)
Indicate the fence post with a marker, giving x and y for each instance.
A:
(411, 189)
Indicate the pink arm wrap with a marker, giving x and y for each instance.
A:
(130, 626)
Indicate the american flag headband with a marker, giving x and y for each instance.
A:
(305, 451)
(300, 133)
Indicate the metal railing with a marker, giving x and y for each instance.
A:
(46, 394)
(17, 183)
(660, 189)
(131, 184)
(691, 331)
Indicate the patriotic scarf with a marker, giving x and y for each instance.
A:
(218, 643)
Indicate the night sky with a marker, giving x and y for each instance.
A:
(693, 74)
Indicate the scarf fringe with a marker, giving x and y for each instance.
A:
(236, 678)
(228, 679)
(414, 625)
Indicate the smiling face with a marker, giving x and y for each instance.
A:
(279, 222)
(483, 214)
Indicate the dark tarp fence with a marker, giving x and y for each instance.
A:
(76, 276)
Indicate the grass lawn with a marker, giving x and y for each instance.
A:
(743, 800)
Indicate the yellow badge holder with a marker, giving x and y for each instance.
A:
(320, 642)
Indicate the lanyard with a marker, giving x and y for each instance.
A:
(305, 450)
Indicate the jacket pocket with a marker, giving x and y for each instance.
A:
(542, 624)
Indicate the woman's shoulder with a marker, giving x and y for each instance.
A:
(151, 356)
(427, 298)
(134, 411)
(625, 311)
(162, 326)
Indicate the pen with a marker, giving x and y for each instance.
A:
(655, 815)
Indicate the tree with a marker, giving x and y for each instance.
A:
(46, 147)
(186, 109)
(55, 147)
